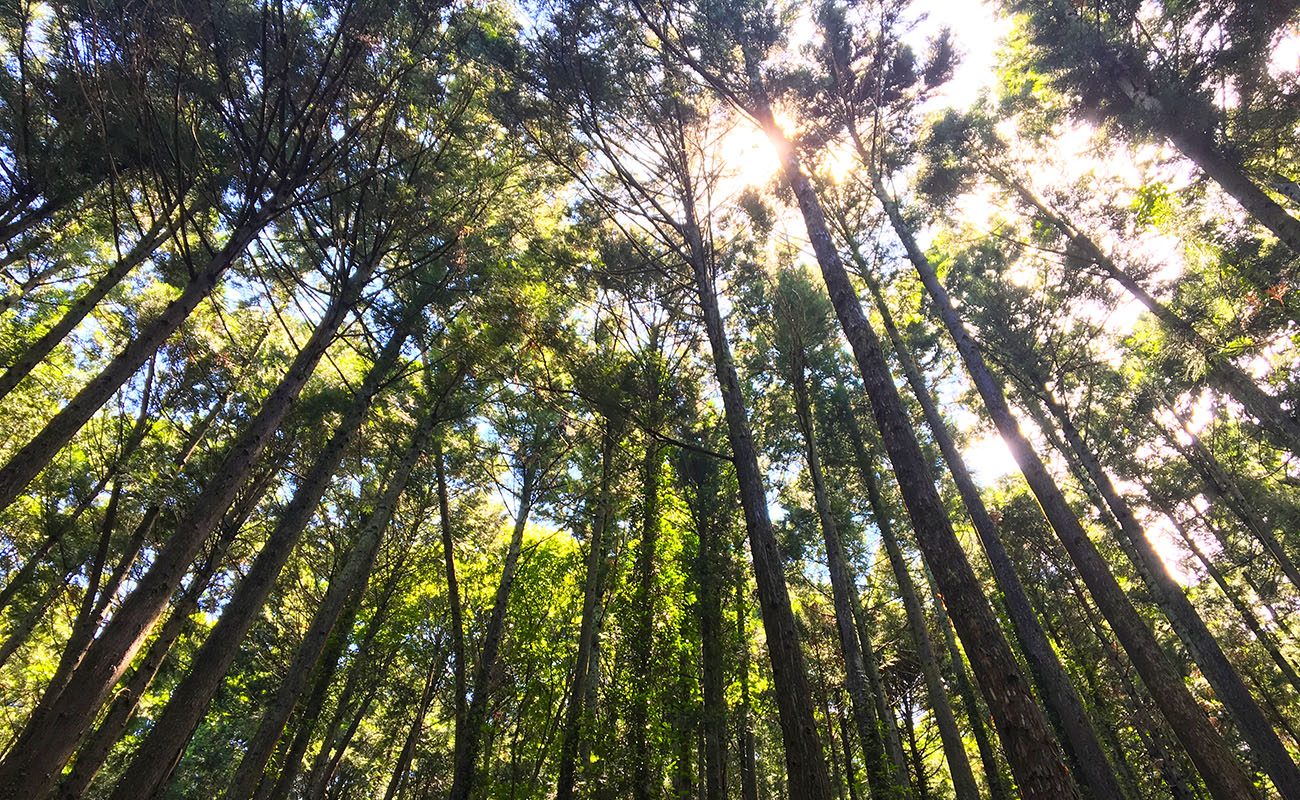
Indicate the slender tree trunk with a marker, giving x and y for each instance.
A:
(805, 764)
(292, 762)
(22, 364)
(1053, 684)
(453, 588)
(59, 721)
(988, 755)
(28, 462)
(841, 575)
(1266, 748)
(954, 750)
(1243, 608)
(403, 765)
(95, 750)
(850, 771)
(744, 731)
(592, 587)
(1031, 747)
(19, 633)
(485, 678)
(887, 741)
(709, 576)
(918, 763)
(1220, 371)
(642, 639)
(165, 744)
(351, 580)
(1214, 759)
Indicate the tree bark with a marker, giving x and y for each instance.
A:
(592, 587)
(1053, 684)
(28, 462)
(954, 751)
(1031, 747)
(95, 750)
(163, 747)
(805, 764)
(842, 580)
(351, 580)
(1214, 759)
(59, 721)
(485, 678)
(1266, 748)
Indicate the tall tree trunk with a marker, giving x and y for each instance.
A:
(841, 575)
(1266, 748)
(592, 587)
(165, 744)
(954, 750)
(642, 639)
(485, 677)
(1031, 747)
(710, 576)
(28, 462)
(918, 763)
(1053, 684)
(453, 588)
(988, 755)
(23, 363)
(403, 766)
(1214, 759)
(744, 730)
(1243, 608)
(95, 750)
(805, 764)
(323, 680)
(60, 720)
(351, 580)
(887, 741)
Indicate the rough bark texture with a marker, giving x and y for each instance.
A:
(805, 764)
(351, 580)
(60, 720)
(467, 747)
(1214, 759)
(573, 715)
(949, 734)
(1031, 747)
(1265, 746)
(163, 747)
(1053, 684)
(841, 574)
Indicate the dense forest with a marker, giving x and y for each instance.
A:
(649, 399)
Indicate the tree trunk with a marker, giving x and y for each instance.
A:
(453, 589)
(805, 764)
(351, 580)
(744, 732)
(323, 680)
(165, 744)
(59, 721)
(485, 678)
(642, 638)
(95, 750)
(841, 575)
(1266, 748)
(592, 587)
(1053, 684)
(1031, 747)
(988, 755)
(1220, 371)
(28, 462)
(887, 741)
(710, 571)
(963, 779)
(1214, 759)
(403, 766)
(22, 365)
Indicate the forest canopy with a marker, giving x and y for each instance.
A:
(649, 399)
